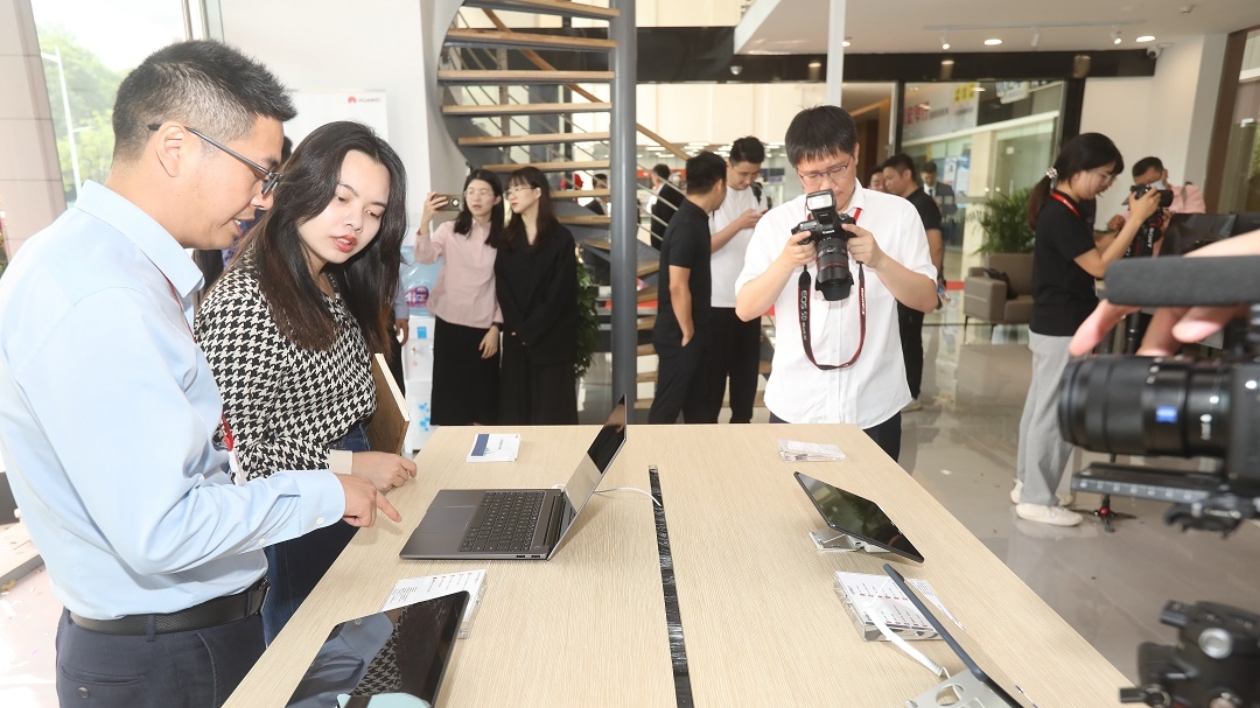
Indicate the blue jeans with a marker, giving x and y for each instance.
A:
(196, 669)
(295, 567)
(887, 434)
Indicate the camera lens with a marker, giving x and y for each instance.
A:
(834, 279)
(1145, 406)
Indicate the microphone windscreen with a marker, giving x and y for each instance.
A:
(1179, 281)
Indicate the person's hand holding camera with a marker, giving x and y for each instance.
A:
(863, 248)
(1171, 326)
(1143, 207)
(798, 251)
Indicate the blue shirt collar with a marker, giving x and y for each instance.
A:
(147, 234)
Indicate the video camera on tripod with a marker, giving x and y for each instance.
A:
(1135, 405)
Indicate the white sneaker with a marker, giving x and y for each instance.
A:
(1053, 515)
(1065, 499)
(914, 405)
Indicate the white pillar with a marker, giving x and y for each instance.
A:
(31, 194)
(835, 51)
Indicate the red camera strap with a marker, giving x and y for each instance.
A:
(1057, 196)
(802, 310)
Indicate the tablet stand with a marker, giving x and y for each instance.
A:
(827, 538)
(961, 690)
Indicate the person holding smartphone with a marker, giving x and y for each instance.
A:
(464, 302)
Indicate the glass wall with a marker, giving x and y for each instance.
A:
(985, 138)
(88, 47)
(1240, 190)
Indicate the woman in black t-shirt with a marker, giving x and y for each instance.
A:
(1066, 261)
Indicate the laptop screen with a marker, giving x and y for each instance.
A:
(967, 649)
(858, 517)
(598, 458)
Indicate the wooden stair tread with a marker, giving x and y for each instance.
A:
(592, 220)
(514, 109)
(533, 139)
(523, 76)
(648, 293)
(496, 38)
(581, 194)
(547, 7)
(550, 166)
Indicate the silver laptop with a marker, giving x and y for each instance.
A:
(526, 524)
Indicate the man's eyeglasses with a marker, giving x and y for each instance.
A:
(269, 178)
(814, 179)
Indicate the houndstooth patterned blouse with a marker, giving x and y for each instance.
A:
(285, 405)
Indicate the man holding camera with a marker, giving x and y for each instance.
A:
(684, 316)
(1150, 172)
(846, 365)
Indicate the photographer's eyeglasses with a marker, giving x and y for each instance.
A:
(269, 178)
(814, 179)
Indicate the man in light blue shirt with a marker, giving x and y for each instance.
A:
(108, 408)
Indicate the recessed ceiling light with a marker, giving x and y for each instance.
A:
(1145, 38)
(846, 43)
(815, 65)
(944, 62)
(992, 42)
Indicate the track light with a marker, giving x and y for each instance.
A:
(1115, 36)
(1036, 39)
(945, 41)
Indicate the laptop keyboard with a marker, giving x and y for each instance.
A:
(505, 523)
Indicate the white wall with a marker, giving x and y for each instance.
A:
(720, 113)
(1168, 115)
(376, 45)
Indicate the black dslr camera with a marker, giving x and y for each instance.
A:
(1165, 195)
(834, 277)
(1143, 244)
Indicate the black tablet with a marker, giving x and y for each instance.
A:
(857, 517)
(966, 649)
(404, 651)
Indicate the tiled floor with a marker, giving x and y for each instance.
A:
(961, 447)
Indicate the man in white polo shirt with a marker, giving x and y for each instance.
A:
(857, 374)
(735, 347)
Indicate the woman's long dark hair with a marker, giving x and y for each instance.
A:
(463, 222)
(533, 178)
(367, 281)
(1085, 152)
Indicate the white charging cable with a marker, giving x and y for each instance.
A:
(629, 489)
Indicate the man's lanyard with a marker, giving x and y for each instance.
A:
(229, 441)
(802, 308)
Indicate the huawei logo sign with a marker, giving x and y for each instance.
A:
(352, 99)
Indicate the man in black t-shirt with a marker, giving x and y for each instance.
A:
(899, 178)
(683, 316)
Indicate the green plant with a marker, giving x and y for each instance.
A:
(588, 321)
(1004, 222)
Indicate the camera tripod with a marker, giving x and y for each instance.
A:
(1143, 245)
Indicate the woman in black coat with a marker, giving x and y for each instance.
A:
(536, 281)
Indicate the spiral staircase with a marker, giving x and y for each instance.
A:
(506, 106)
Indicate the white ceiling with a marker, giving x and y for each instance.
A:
(912, 26)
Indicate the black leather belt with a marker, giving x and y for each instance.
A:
(210, 613)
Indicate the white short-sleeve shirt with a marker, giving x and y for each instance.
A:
(874, 388)
(728, 262)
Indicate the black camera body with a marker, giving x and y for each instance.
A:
(1217, 650)
(1165, 195)
(835, 279)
